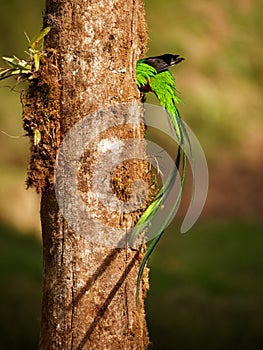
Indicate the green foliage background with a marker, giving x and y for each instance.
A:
(206, 286)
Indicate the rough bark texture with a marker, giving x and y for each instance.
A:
(88, 289)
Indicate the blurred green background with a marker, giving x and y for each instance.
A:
(206, 286)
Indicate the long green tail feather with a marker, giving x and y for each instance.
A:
(162, 229)
(152, 208)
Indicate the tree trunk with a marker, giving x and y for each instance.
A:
(88, 288)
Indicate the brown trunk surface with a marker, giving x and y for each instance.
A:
(88, 289)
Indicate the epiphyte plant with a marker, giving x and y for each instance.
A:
(24, 69)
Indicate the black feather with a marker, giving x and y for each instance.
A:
(163, 62)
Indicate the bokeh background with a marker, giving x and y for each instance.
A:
(207, 285)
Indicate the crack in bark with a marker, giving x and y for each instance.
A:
(72, 307)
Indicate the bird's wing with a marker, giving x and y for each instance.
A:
(163, 86)
(144, 73)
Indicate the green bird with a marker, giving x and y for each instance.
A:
(153, 75)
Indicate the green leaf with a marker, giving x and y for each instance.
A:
(35, 40)
(37, 137)
(36, 61)
(11, 61)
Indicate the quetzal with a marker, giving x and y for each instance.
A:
(152, 74)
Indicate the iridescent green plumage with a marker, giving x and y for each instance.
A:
(144, 73)
(152, 74)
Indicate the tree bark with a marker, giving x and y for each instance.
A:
(88, 288)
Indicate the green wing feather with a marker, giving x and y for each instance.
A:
(144, 73)
(163, 85)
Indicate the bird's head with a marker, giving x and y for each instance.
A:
(171, 60)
